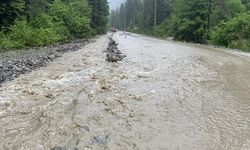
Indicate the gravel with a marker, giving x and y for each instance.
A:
(15, 63)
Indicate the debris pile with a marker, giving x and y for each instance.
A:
(113, 53)
(15, 63)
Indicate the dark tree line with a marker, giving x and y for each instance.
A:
(99, 15)
(41, 22)
(201, 21)
(9, 11)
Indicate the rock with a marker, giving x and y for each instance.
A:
(93, 76)
(49, 95)
(12, 66)
(137, 98)
(74, 148)
(59, 148)
(113, 57)
(103, 84)
(101, 139)
(52, 57)
(143, 75)
(84, 129)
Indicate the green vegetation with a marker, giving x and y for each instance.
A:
(234, 33)
(218, 22)
(41, 22)
(99, 15)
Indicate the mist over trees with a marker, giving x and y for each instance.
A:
(115, 3)
(40, 22)
(219, 22)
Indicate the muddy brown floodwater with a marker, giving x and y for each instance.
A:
(164, 95)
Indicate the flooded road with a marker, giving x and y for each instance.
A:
(164, 95)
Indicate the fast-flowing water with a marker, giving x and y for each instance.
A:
(165, 95)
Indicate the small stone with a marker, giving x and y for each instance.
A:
(103, 84)
(49, 95)
(59, 148)
(93, 76)
(52, 56)
(137, 98)
(143, 75)
(74, 148)
(101, 139)
(84, 129)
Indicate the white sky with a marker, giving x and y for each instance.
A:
(115, 3)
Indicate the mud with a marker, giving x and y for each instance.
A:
(163, 96)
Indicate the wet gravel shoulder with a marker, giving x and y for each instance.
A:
(18, 62)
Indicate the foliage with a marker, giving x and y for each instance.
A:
(75, 15)
(22, 34)
(191, 24)
(234, 33)
(167, 28)
(41, 22)
(9, 11)
(100, 11)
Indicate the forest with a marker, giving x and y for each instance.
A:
(28, 23)
(218, 22)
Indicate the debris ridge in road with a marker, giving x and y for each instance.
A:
(113, 52)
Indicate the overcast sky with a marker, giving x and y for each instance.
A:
(115, 3)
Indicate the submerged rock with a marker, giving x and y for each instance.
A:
(59, 148)
(101, 139)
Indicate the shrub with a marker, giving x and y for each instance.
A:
(22, 34)
(7, 43)
(75, 18)
(168, 28)
(234, 34)
(25, 34)
(43, 36)
(44, 21)
(162, 30)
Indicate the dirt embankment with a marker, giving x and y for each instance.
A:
(15, 63)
